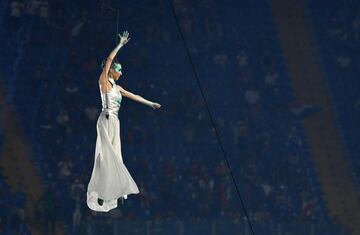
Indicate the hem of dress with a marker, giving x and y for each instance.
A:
(109, 204)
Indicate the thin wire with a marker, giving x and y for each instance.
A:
(109, 7)
(211, 117)
(138, 5)
(117, 19)
(117, 28)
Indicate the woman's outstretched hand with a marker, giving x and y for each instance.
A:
(155, 105)
(124, 38)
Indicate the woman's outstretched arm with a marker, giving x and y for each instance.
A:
(123, 40)
(138, 98)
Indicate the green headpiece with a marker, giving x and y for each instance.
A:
(115, 65)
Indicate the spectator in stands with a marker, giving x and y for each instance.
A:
(50, 205)
(252, 96)
(16, 14)
(65, 168)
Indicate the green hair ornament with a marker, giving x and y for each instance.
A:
(115, 65)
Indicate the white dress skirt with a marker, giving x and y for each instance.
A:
(110, 178)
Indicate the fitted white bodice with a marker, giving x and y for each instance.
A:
(111, 100)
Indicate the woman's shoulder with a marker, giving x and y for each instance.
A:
(119, 87)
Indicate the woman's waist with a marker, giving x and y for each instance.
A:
(110, 112)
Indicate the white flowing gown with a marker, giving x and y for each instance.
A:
(110, 178)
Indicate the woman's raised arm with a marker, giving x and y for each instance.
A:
(123, 40)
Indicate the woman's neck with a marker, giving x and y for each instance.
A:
(112, 81)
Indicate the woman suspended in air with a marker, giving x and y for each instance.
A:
(110, 179)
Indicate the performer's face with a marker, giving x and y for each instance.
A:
(116, 75)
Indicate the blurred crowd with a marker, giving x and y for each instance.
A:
(172, 154)
(338, 32)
